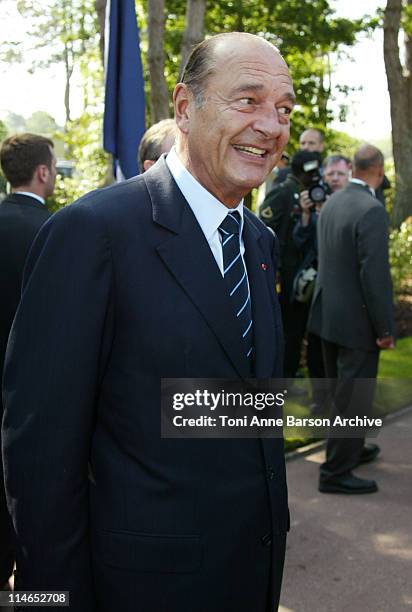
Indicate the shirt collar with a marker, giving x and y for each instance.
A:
(208, 210)
(360, 182)
(31, 195)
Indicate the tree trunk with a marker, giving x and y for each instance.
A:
(100, 6)
(324, 91)
(195, 28)
(159, 95)
(68, 73)
(399, 86)
(408, 66)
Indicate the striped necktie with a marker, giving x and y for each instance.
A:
(234, 272)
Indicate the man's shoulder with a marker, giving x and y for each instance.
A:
(258, 224)
(130, 203)
(113, 197)
(281, 196)
(14, 200)
(287, 187)
(356, 196)
(109, 202)
(23, 210)
(130, 195)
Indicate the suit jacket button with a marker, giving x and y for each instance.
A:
(271, 473)
(266, 539)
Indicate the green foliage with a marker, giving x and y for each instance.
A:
(83, 137)
(63, 26)
(335, 141)
(306, 31)
(339, 142)
(15, 122)
(41, 123)
(63, 31)
(3, 130)
(400, 254)
(66, 32)
(406, 21)
(3, 183)
(397, 363)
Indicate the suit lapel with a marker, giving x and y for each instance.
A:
(262, 302)
(187, 255)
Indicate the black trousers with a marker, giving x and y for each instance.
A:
(354, 372)
(6, 536)
(295, 317)
(316, 368)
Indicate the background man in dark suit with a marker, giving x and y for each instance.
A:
(352, 310)
(126, 287)
(29, 165)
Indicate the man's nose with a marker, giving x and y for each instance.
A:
(268, 122)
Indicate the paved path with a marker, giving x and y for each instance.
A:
(352, 553)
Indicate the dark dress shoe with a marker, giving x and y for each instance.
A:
(347, 483)
(369, 453)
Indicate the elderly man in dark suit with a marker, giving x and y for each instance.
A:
(127, 286)
(352, 311)
(29, 165)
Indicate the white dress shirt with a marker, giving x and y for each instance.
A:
(32, 195)
(360, 182)
(208, 210)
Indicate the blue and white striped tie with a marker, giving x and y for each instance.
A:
(236, 278)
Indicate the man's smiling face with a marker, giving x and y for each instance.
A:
(233, 140)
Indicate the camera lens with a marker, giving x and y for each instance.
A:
(317, 193)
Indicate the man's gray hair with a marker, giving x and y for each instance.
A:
(201, 63)
(335, 159)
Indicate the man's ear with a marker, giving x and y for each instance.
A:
(380, 174)
(148, 163)
(182, 106)
(42, 173)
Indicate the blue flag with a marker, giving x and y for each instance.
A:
(124, 113)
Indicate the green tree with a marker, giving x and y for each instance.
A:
(15, 122)
(398, 64)
(3, 130)
(308, 33)
(41, 122)
(62, 31)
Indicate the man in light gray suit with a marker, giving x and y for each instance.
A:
(352, 311)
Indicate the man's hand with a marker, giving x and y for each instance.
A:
(387, 342)
(306, 205)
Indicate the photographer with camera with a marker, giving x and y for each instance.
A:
(281, 211)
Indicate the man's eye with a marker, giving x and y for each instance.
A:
(246, 101)
(285, 110)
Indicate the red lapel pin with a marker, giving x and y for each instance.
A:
(264, 266)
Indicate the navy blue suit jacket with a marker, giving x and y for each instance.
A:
(122, 289)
